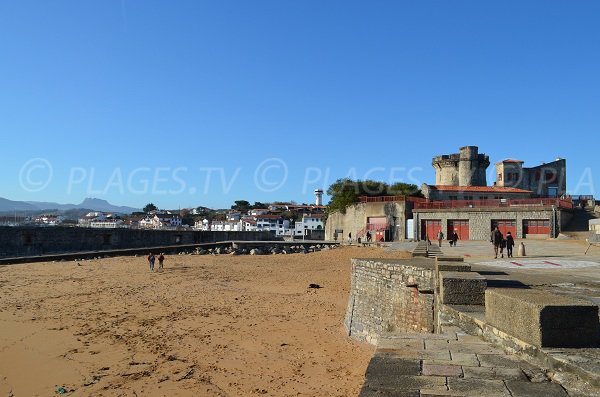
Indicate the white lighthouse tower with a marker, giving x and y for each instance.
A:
(319, 197)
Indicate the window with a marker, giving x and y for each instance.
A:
(469, 198)
(453, 197)
(550, 176)
(537, 175)
(499, 177)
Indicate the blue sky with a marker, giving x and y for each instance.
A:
(187, 103)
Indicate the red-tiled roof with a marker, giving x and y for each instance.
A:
(512, 161)
(268, 216)
(486, 189)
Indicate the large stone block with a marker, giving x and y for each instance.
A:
(543, 319)
(451, 266)
(462, 288)
(450, 258)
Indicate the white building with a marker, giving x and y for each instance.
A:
(50, 220)
(202, 225)
(226, 226)
(308, 222)
(162, 221)
(107, 224)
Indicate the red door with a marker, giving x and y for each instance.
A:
(460, 226)
(536, 226)
(505, 226)
(430, 228)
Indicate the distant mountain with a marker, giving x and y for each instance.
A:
(10, 205)
(93, 204)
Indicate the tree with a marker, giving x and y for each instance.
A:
(400, 188)
(258, 204)
(186, 217)
(149, 207)
(241, 205)
(345, 192)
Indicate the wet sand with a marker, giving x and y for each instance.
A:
(206, 326)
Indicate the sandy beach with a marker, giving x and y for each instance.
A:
(206, 326)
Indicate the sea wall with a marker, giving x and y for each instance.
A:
(26, 241)
(389, 296)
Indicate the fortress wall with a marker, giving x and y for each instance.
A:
(357, 215)
(26, 241)
(388, 296)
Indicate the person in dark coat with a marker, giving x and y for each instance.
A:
(454, 238)
(151, 260)
(510, 243)
(496, 239)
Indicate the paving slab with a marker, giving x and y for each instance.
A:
(528, 389)
(405, 383)
(494, 373)
(419, 354)
(478, 387)
(401, 344)
(475, 348)
(366, 391)
(383, 364)
(436, 369)
(469, 359)
(497, 360)
(440, 393)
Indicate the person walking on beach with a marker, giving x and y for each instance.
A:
(454, 238)
(151, 261)
(161, 259)
(496, 239)
(440, 238)
(510, 243)
(349, 238)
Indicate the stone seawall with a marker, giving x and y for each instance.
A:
(28, 241)
(389, 296)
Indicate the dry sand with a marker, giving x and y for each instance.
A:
(206, 326)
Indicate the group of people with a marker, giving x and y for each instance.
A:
(152, 259)
(500, 242)
(453, 238)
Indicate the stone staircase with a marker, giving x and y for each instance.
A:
(431, 251)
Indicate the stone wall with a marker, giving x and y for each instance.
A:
(26, 241)
(480, 219)
(357, 215)
(388, 296)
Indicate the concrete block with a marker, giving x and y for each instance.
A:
(462, 288)
(543, 319)
(443, 266)
(449, 258)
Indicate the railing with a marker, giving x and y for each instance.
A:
(386, 199)
(502, 203)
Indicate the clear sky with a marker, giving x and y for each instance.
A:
(187, 103)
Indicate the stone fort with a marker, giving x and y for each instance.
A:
(465, 168)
